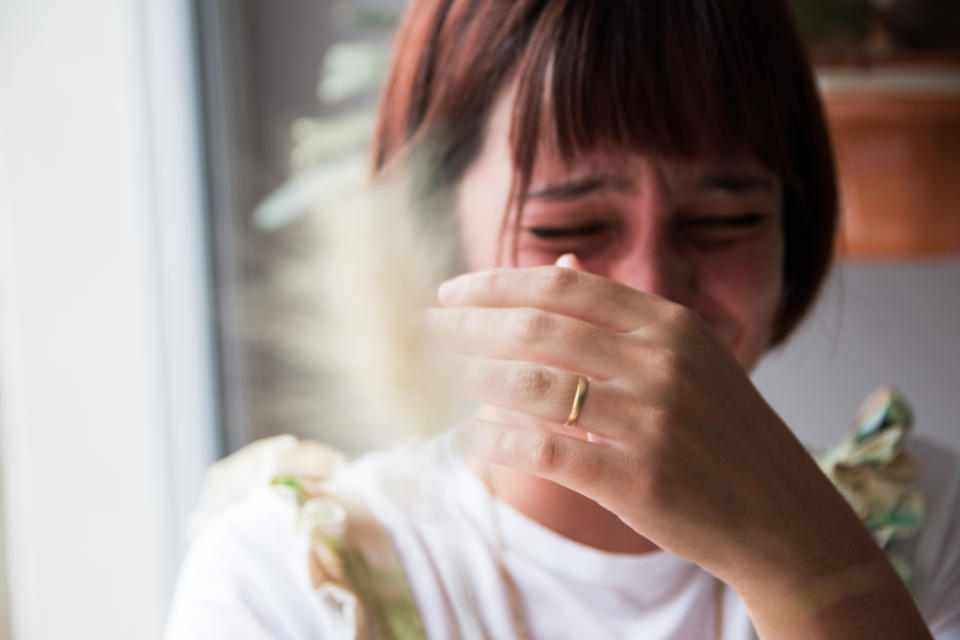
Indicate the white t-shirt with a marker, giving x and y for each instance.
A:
(246, 576)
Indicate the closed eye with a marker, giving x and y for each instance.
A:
(720, 231)
(739, 221)
(594, 228)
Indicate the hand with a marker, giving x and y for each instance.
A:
(682, 447)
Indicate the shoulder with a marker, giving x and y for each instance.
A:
(245, 576)
(246, 573)
(935, 550)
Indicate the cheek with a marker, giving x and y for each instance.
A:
(479, 248)
(481, 202)
(740, 292)
(479, 233)
(750, 274)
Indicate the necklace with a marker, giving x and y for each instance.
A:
(513, 593)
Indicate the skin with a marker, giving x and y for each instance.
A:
(658, 279)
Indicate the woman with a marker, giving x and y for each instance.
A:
(659, 175)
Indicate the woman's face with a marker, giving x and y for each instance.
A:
(705, 234)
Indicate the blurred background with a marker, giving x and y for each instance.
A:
(152, 158)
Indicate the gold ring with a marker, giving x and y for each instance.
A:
(577, 401)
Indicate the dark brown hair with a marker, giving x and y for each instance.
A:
(680, 78)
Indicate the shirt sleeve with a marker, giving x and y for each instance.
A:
(245, 578)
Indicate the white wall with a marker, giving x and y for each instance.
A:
(104, 354)
(876, 323)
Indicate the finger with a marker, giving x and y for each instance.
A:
(566, 460)
(530, 334)
(569, 292)
(542, 392)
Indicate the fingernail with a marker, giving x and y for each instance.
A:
(451, 291)
(568, 260)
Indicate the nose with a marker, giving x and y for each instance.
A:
(655, 264)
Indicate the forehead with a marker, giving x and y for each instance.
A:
(723, 170)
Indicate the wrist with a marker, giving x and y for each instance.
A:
(791, 608)
(796, 573)
(858, 596)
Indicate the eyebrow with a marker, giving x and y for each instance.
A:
(735, 183)
(580, 187)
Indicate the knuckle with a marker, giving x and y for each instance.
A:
(669, 364)
(558, 281)
(547, 455)
(532, 381)
(683, 319)
(528, 325)
(676, 315)
(504, 447)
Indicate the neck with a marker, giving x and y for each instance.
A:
(554, 506)
(566, 512)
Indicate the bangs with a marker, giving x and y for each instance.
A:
(673, 78)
